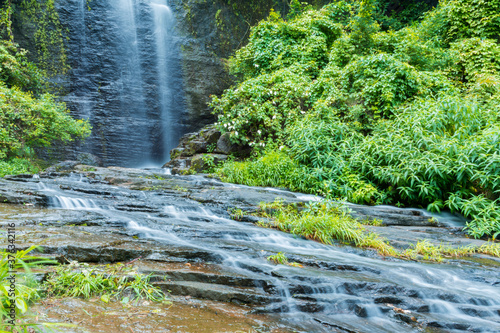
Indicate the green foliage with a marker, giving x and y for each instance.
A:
(25, 286)
(477, 57)
(29, 117)
(16, 70)
(208, 161)
(408, 117)
(28, 122)
(324, 221)
(260, 107)
(437, 153)
(276, 44)
(49, 35)
(374, 86)
(274, 168)
(473, 18)
(395, 14)
(278, 258)
(16, 166)
(113, 281)
(429, 251)
(6, 21)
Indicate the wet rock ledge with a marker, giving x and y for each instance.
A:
(181, 229)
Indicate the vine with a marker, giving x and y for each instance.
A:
(49, 35)
(5, 21)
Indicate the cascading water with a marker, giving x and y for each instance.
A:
(337, 286)
(126, 78)
(163, 27)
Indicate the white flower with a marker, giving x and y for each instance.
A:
(274, 117)
(281, 147)
(236, 133)
(258, 132)
(254, 104)
(256, 65)
(225, 125)
(302, 112)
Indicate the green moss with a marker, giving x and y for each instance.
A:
(48, 34)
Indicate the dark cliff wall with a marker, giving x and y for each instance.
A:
(213, 30)
(118, 72)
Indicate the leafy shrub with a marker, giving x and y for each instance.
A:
(27, 122)
(275, 44)
(273, 168)
(371, 87)
(15, 166)
(16, 70)
(25, 287)
(473, 18)
(407, 117)
(29, 117)
(278, 258)
(82, 280)
(477, 56)
(437, 153)
(260, 107)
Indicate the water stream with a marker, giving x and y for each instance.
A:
(338, 286)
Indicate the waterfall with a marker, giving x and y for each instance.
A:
(126, 78)
(163, 26)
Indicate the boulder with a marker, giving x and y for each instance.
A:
(62, 166)
(225, 146)
(179, 166)
(89, 159)
(194, 153)
(200, 142)
(210, 134)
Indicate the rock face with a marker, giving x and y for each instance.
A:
(198, 151)
(142, 71)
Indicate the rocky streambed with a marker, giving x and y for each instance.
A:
(181, 229)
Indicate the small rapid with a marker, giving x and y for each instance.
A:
(333, 288)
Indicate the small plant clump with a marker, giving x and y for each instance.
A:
(281, 259)
(278, 258)
(118, 281)
(26, 288)
(328, 221)
(324, 221)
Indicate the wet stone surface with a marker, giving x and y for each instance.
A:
(181, 229)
